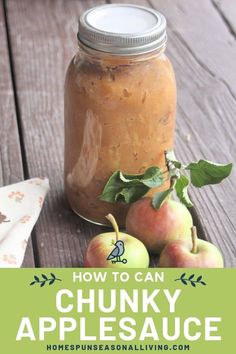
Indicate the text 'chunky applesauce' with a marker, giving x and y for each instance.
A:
(127, 328)
(120, 104)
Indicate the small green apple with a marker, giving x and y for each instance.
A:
(116, 250)
(191, 254)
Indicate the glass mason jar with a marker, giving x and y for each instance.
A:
(120, 104)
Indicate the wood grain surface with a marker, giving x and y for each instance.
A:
(42, 47)
(203, 52)
(227, 10)
(201, 46)
(11, 169)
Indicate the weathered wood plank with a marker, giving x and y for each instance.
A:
(11, 170)
(207, 107)
(227, 10)
(42, 46)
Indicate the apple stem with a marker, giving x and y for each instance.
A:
(194, 239)
(112, 220)
(173, 181)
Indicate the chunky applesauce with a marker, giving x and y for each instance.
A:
(119, 115)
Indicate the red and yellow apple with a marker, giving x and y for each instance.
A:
(156, 227)
(135, 254)
(189, 253)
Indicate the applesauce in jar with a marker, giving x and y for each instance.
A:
(120, 104)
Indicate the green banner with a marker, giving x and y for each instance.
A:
(97, 310)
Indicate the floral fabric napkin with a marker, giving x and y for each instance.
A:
(20, 206)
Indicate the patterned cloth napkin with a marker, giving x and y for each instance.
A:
(20, 206)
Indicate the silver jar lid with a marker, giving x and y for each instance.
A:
(122, 29)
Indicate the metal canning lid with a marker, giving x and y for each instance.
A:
(122, 29)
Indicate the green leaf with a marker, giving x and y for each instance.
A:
(36, 278)
(181, 188)
(151, 178)
(53, 275)
(205, 172)
(112, 187)
(130, 179)
(159, 198)
(170, 157)
(131, 194)
(44, 277)
(128, 188)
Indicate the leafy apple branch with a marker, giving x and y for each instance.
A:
(44, 280)
(127, 188)
(191, 280)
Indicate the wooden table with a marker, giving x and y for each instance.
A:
(37, 40)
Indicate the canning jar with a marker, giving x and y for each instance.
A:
(120, 104)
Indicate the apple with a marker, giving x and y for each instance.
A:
(116, 250)
(156, 227)
(193, 253)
